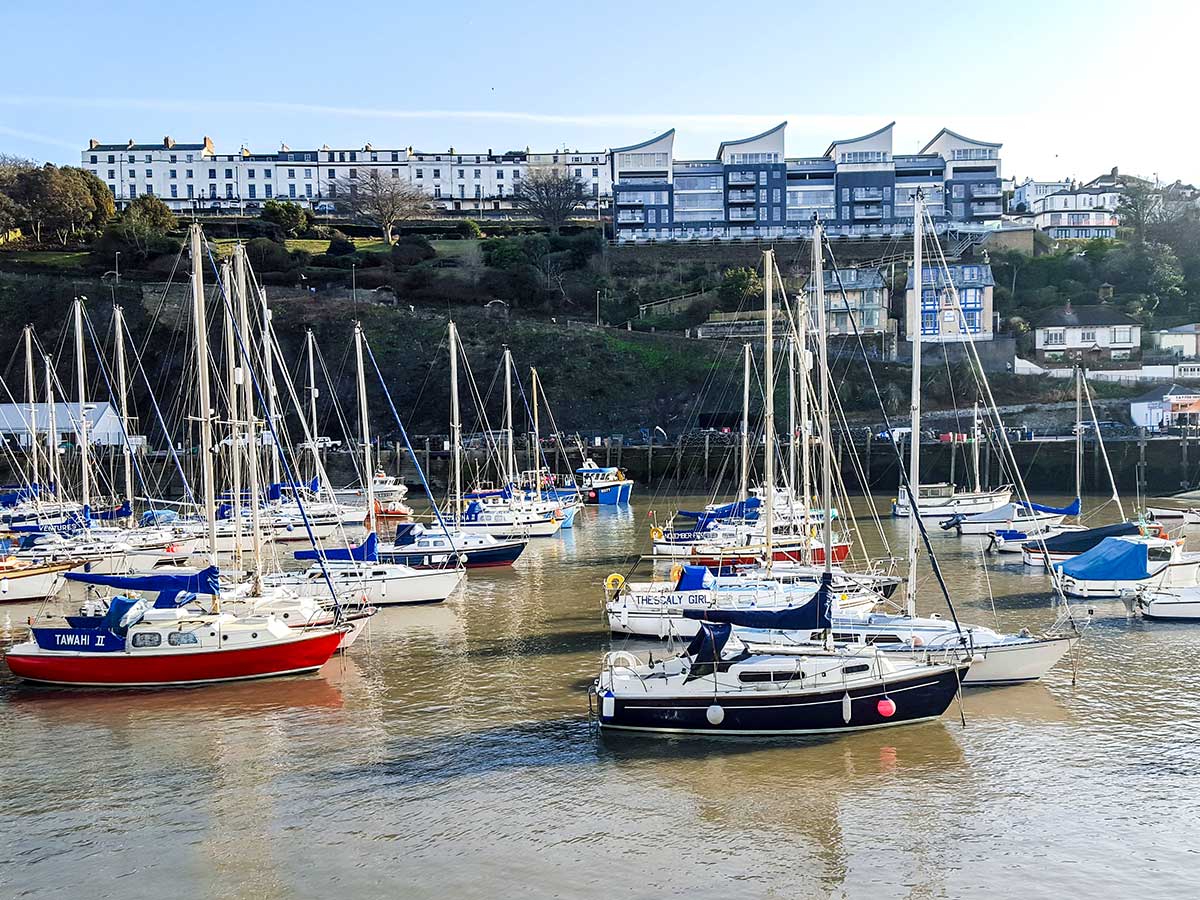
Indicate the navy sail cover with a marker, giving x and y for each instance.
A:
(367, 551)
(813, 615)
(1081, 541)
(206, 581)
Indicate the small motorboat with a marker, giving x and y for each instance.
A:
(603, 485)
(1166, 514)
(1123, 566)
(1173, 605)
(1069, 544)
(1032, 518)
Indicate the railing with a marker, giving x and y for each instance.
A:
(869, 212)
(985, 208)
(631, 218)
(742, 215)
(985, 190)
(742, 196)
(742, 178)
(862, 195)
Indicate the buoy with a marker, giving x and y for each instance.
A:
(614, 581)
(715, 714)
(846, 707)
(608, 705)
(624, 616)
(886, 707)
(656, 534)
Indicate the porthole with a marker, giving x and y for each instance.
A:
(285, 615)
(254, 634)
(224, 637)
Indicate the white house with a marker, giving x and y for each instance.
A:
(195, 176)
(1030, 192)
(1182, 341)
(1087, 333)
(1159, 406)
(1082, 212)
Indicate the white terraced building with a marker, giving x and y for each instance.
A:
(194, 176)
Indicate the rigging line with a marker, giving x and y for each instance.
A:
(908, 487)
(338, 411)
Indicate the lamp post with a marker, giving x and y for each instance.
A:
(597, 307)
(117, 269)
(354, 287)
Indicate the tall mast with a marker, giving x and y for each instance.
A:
(769, 402)
(510, 463)
(914, 439)
(252, 444)
(744, 483)
(455, 424)
(1079, 440)
(200, 336)
(231, 388)
(268, 343)
(791, 479)
(51, 428)
(805, 418)
(826, 432)
(537, 441)
(31, 396)
(81, 384)
(365, 425)
(309, 342)
(123, 398)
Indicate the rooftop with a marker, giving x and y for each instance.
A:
(1084, 315)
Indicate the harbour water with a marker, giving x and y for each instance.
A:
(449, 755)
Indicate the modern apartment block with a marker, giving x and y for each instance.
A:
(751, 189)
(196, 177)
(940, 318)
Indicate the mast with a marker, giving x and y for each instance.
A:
(123, 398)
(455, 424)
(365, 425)
(975, 447)
(1079, 440)
(199, 321)
(537, 441)
(914, 439)
(769, 402)
(744, 484)
(309, 342)
(268, 342)
(826, 435)
(231, 388)
(252, 443)
(510, 459)
(31, 396)
(51, 428)
(806, 438)
(81, 384)
(791, 479)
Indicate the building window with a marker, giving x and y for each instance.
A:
(353, 156)
(267, 191)
(188, 173)
(1056, 337)
(595, 173)
(111, 159)
(499, 174)
(212, 173)
(229, 192)
(291, 173)
(929, 322)
(395, 156)
(112, 173)
(353, 173)
(190, 191)
(437, 190)
(173, 173)
(1122, 334)
(308, 173)
(437, 173)
(149, 189)
(395, 173)
(291, 190)
(229, 173)
(174, 190)
(308, 190)
(132, 190)
(252, 188)
(1088, 336)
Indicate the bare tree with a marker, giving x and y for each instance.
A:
(379, 198)
(550, 195)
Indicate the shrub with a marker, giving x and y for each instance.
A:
(291, 217)
(340, 245)
(469, 228)
(410, 250)
(267, 256)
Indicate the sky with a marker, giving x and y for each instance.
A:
(1070, 88)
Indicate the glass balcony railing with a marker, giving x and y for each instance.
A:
(865, 195)
(742, 196)
(742, 178)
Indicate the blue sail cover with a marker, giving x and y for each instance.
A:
(1076, 542)
(695, 578)
(276, 489)
(1113, 559)
(740, 509)
(813, 615)
(124, 511)
(407, 532)
(158, 517)
(13, 498)
(203, 582)
(367, 551)
(1071, 510)
(705, 648)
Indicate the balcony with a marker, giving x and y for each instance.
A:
(742, 196)
(742, 178)
(868, 212)
(991, 191)
(630, 217)
(984, 209)
(630, 200)
(868, 195)
(742, 215)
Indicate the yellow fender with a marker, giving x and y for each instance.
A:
(676, 572)
(614, 581)
(656, 534)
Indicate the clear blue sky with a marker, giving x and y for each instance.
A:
(1071, 88)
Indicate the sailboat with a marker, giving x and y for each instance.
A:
(134, 644)
(718, 685)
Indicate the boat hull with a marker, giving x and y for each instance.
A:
(614, 494)
(503, 554)
(1010, 663)
(301, 653)
(919, 696)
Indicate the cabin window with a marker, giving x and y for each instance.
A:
(147, 639)
(765, 677)
(1159, 554)
(854, 670)
(180, 638)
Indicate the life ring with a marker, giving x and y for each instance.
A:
(623, 658)
(614, 581)
(676, 572)
(656, 534)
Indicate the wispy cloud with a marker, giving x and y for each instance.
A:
(39, 138)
